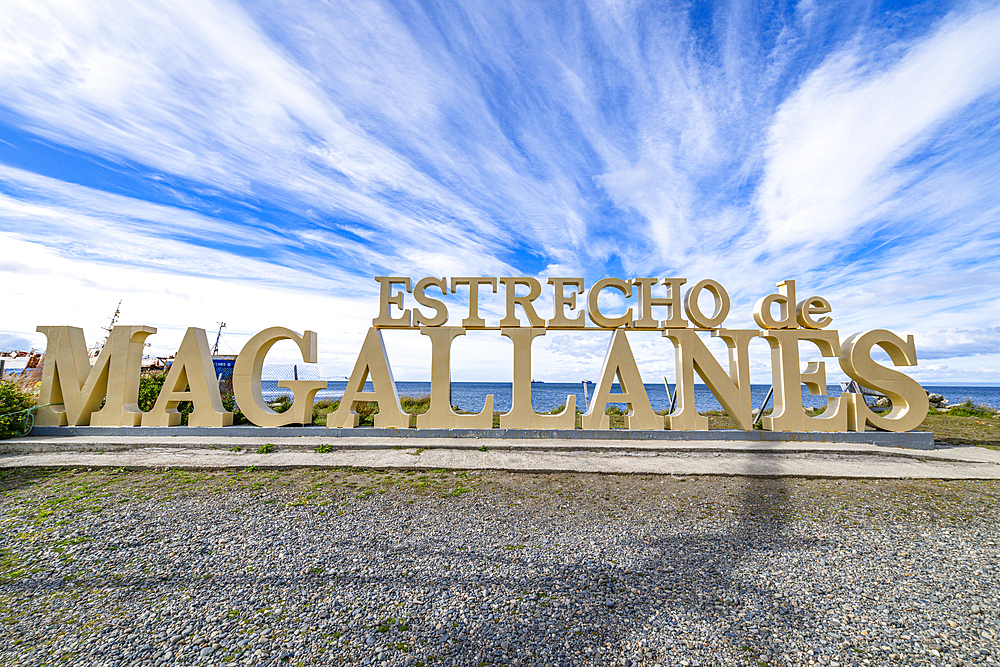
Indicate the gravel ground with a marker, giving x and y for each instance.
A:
(363, 567)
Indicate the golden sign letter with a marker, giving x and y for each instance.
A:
(439, 414)
(788, 414)
(247, 376)
(77, 389)
(620, 363)
(909, 401)
(732, 391)
(521, 414)
(191, 378)
(372, 360)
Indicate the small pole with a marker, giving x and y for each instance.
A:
(295, 371)
(760, 413)
(669, 397)
(586, 401)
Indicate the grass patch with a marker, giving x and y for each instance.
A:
(970, 409)
(966, 424)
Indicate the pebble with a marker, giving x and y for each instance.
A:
(399, 578)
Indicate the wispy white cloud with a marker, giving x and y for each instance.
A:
(165, 86)
(301, 147)
(99, 227)
(838, 148)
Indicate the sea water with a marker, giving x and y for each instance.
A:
(545, 396)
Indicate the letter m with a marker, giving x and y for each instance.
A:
(75, 390)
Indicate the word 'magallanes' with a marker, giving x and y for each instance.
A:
(76, 389)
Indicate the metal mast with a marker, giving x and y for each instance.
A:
(215, 348)
(96, 350)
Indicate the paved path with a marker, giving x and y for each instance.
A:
(707, 457)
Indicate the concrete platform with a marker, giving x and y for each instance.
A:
(141, 448)
(909, 440)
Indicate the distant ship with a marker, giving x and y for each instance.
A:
(18, 362)
(537, 382)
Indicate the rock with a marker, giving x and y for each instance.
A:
(935, 398)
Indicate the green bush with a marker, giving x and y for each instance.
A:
(281, 404)
(13, 400)
(150, 385)
(415, 405)
(229, 403)
(321, 409)
(970, 409)
(366, 412)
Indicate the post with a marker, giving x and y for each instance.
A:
(763, 405)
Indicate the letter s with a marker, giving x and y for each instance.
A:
(909, 401)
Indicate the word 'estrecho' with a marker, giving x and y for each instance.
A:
(76, 389)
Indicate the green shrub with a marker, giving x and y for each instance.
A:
(266, 448)
(415, 405)
(13, 400)
(150, 385)
(322, 409)
(366, 412)
(281, 404)
(970, 409)
(229, 404)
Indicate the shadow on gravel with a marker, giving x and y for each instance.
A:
(760, 531)
(710, 579)
(12, 479)
(700, 592)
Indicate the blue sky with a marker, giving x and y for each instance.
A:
(259, 163)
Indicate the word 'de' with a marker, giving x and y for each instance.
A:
(77, 390)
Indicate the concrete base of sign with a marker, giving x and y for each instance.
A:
(560, 439)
